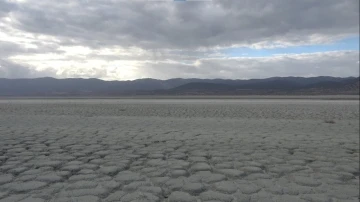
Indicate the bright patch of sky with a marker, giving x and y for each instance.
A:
(347, 44)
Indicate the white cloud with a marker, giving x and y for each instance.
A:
(10, 69)
(336, 63)
(136, 39)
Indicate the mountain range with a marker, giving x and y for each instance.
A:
(48, 86)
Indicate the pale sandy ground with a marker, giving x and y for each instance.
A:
(179, 150)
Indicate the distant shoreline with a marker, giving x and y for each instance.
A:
(309, 97)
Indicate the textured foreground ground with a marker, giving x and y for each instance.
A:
(185, 150)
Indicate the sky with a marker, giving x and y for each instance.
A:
(163, 39)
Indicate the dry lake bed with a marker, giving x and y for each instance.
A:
(188, 150)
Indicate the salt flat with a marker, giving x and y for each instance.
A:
(179, 150)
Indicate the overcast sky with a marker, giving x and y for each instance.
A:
(131, 39)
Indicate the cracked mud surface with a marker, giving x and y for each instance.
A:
(185, 150)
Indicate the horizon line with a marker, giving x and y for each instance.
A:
(84, 78)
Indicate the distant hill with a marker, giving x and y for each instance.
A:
(276, 86)
(199, 86)
(95, 87)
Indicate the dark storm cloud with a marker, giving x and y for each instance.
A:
(182, 25)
